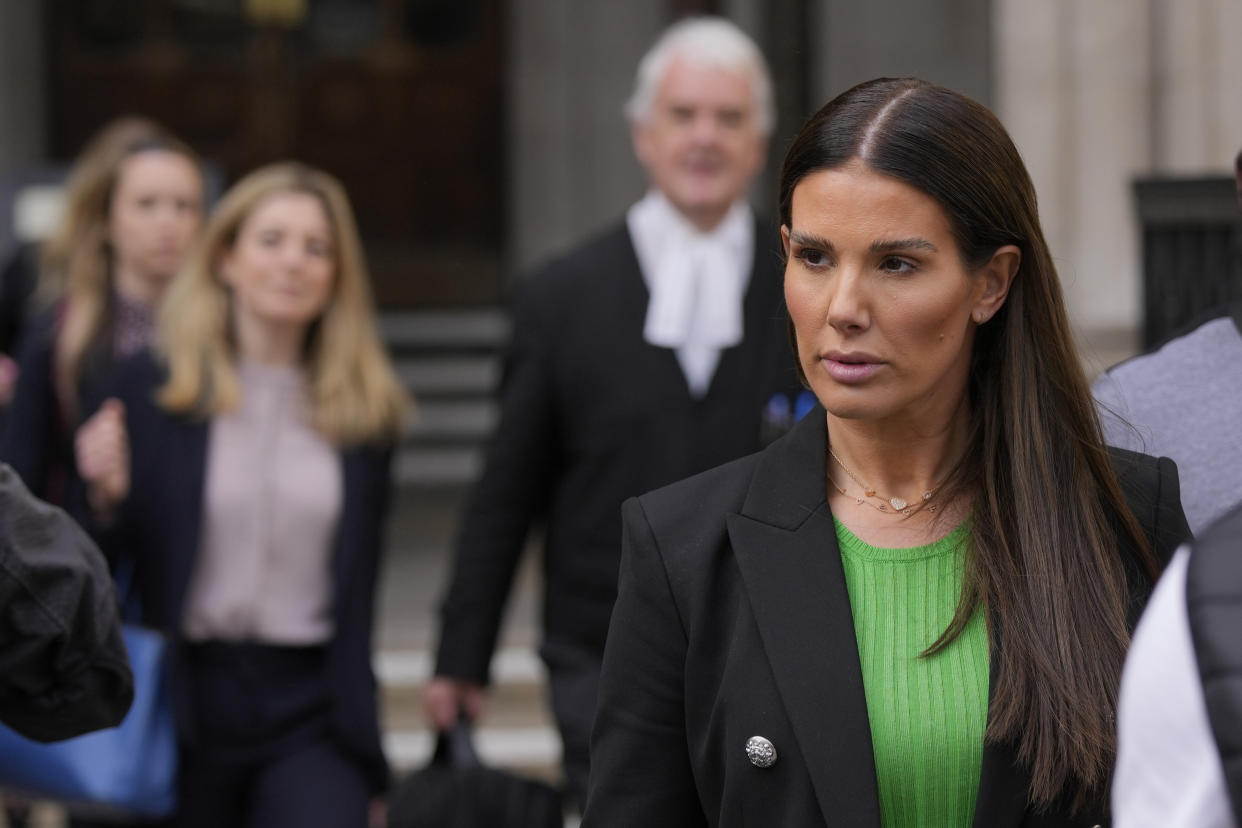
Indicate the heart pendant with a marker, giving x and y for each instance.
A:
(898, 503)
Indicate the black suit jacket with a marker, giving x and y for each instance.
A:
(63, 666)
(159, 527)
(733, 620)
(592, 414)
(36, 439)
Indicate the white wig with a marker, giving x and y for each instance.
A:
(703, 42)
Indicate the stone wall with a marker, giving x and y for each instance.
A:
(1097, 94)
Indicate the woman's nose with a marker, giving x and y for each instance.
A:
(847, 306)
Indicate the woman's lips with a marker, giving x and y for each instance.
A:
(850, 369)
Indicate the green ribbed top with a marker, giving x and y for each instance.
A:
(927, 715)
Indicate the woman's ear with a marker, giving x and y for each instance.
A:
(995, 277)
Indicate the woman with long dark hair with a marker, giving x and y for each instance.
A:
(912, 609)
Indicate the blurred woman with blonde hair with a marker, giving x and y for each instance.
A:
(245, 468)
(132, 206)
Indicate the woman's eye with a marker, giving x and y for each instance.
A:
(812, 257)
(895, 265)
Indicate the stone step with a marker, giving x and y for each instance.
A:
(475, 329)
(468, 421)
(464, 374)
(437, 466)
(449, 360)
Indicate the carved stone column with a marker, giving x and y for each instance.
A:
(21, 83)
(571, 168)
(943, 41)
(1197, 67)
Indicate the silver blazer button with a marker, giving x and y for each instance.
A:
(761, 752)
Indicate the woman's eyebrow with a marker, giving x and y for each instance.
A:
(804, 239)
(896, 245)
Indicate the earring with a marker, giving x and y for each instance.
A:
(980, 318)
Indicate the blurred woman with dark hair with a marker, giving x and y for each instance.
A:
(913, 609)
(133, 204)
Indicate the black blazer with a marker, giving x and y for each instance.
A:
(592, 414)
(159, 527)
(19, 278)
(733, 620)
(36, 439)
(64, 670)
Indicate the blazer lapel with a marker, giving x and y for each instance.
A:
(786, 548)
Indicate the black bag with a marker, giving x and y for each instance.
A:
(455, 790)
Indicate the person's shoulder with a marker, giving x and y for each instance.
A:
(700, 502)
(598, 253)
(1138, 473)
(558, 289)
(1214, 338)
(1152, 490)
(1129, 463)
(1224, 533)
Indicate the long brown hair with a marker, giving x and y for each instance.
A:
(1045, 562)
(75, 261)
(355, 395)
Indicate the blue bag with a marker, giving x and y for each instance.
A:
(128, 771)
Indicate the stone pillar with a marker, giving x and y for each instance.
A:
(943, 41)
(571, 166)
(21, 83)
(1033, 83)
(1197, 69)
(779, 27)
(1109, 107)
(1097, 94)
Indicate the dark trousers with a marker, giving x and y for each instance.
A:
(259, 752)
(573, 680)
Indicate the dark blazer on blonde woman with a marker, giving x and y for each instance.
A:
(733, 621)
(160, 525)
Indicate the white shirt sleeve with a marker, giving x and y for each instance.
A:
(1169, 770)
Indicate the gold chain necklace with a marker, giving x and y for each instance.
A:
(898, 504)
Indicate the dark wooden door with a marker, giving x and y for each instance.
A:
(400, 99)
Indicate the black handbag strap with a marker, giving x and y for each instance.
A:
(455, 746)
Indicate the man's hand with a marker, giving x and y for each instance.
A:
(102, 449)
(444, 697)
